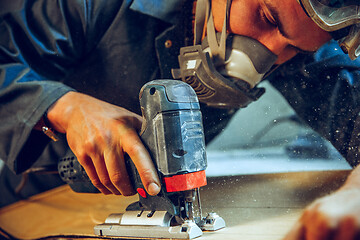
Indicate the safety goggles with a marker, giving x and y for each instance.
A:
(334, 16)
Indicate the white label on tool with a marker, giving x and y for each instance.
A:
(191, 64)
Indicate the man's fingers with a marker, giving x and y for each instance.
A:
(119, 177)
(145, 167)
(317, 225)
(296, 233)
(133, 146)
(89, 167)
(347, 230)
(103, 174)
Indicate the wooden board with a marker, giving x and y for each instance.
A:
(254, 207)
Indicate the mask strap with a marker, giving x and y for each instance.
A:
(217, 49)
(201, 15)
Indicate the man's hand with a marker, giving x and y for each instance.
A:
(100, 134)
(335, 217)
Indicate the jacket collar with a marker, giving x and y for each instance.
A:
(165, 10)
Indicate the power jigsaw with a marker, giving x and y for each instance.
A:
(172, 131)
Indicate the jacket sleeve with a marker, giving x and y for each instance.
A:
(41, 43)
(324, 90)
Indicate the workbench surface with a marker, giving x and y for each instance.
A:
(255, 207)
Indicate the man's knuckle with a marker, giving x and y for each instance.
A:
(84, 160)
(106, 182)
(134, 149)
(146, 173)
(126, 130)
(104, 137)
(117, 178)
(97, 183)
(89, 145)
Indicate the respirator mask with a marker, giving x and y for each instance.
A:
(341, 18)
(223, 68)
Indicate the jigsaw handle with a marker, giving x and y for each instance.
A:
(172, 132)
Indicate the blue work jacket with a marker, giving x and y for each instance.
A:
(109, 49)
